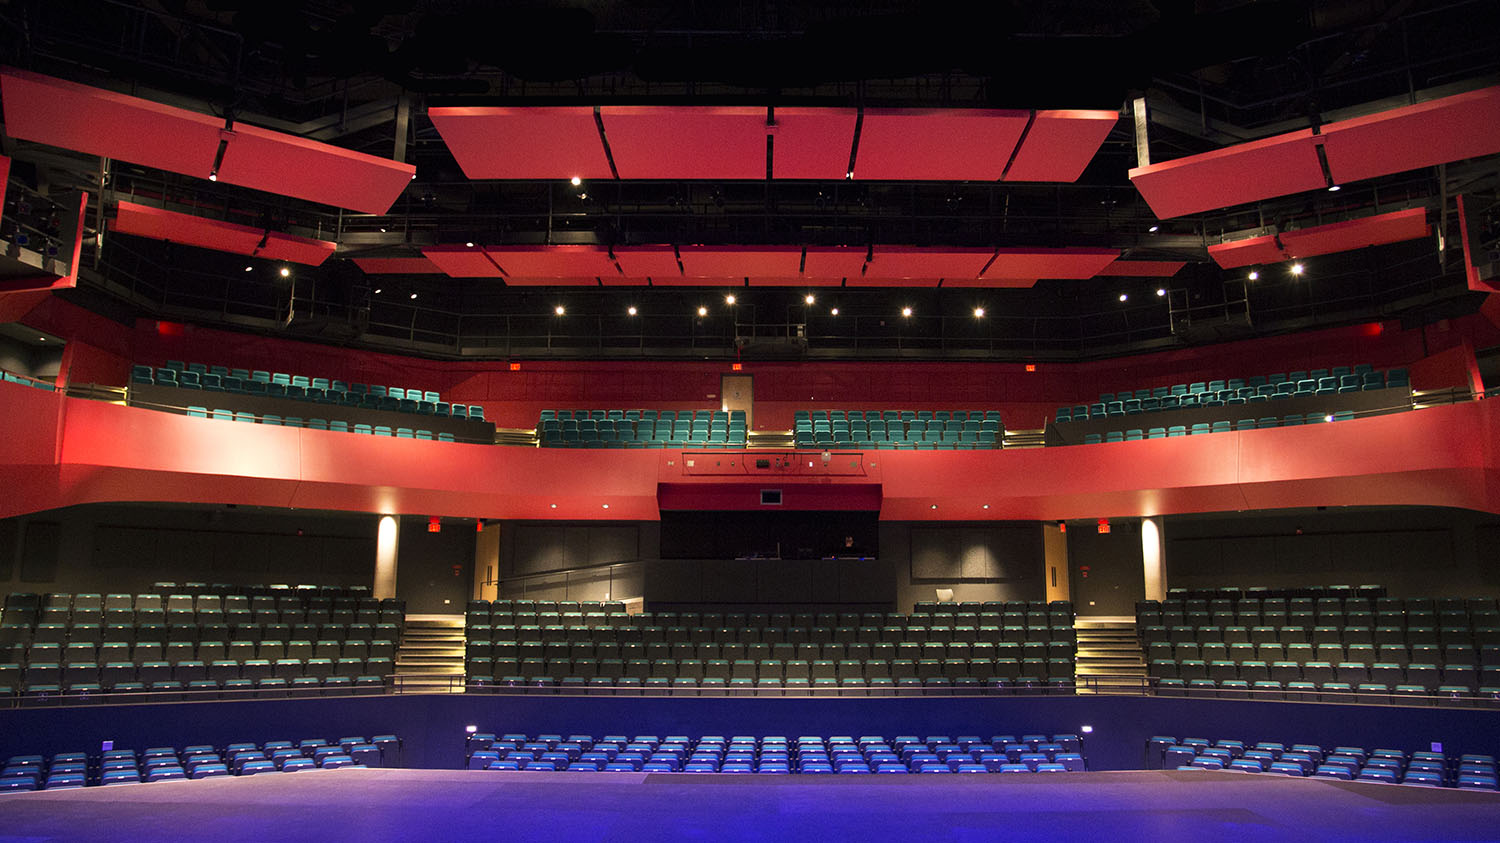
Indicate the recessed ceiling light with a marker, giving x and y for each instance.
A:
(559, 310)
(377, 291)
(934, 506)
(978, 313)
(576, 181)
(413, 295)
(986, 506)
(285, 272)
(249, 268)
(834, 311)
(1333, 188)
(554, 506)
(470, 244)
(702, 311)
(1297, 269)
(809, 299)
(906, 311)
(606, 506)
(630, 310)
(729, 299)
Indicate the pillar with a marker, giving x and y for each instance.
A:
(1055, 562)
(387, 540)
(1154, 558)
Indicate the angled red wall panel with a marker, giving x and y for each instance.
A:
(523, 143)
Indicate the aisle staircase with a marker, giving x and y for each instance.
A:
(1024, 438)
(431, 655)
(1109, 659)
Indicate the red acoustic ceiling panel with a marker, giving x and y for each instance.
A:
(462, 262)
(523, 143)
(812, 143)
(71, 116)
(1323, 239)
(187, 229)
(905, 262)
(1073, 262)
(1422, 135)
(834, 281)
(1248, 252)
(1247, 172)
(523, 281)
(741, 261)
(684, 281)
(922, 281)
(834, 261)
(1060, 144)
(397, 266)
(305, 169)
(937, 144)
(1142, 269)
(553, 261)
(648, 261)
(683, 142)
(1356, 234)
(288, 247)
(989, 283)
(621, 281)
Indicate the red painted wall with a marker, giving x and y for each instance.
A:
(1442, 456)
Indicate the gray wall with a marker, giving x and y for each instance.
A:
(980, 561)
(127, 547)
(29, 360)
(1115, 579)
(1412, 552)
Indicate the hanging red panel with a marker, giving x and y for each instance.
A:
(834, 262)
(72, 116)
(741, 261)
(914, 281)
(567, 261)
(523, 281)
(1247, 172)
(318, 172)
(937, 144)
(812, 143)
(1249, 252)
(903, 262)
(1031, 263)
(1060, 144)
(523, 143)
(397, 266)
(1356, 234)
(158, 224)
(1422, 135)
(289, 247)
(1142, 269)
(685, 142)
(989, 283)
(462, 262)
(648, 262)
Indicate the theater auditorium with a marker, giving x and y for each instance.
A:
(623, 420)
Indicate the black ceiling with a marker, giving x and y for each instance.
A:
(1213, 73)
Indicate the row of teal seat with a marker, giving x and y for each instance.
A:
(1200, 428)
(338, 426)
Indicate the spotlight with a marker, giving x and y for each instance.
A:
(809, 299)
(1296, 269)
(729, 299)
(630, 310)
(1124, 297)
(382, 230)
(285, 272)
(1333, 188)
(1254, 275)
(906, 311)
(575, 181)
(470, 244)
(413, 295)
(249, 268)
(559, 310)
(1153, 229)
(377, 291)
(834, 311)
(702, 311)
(583, 196)
(978, 313)
(1161, 291)
(213, 176)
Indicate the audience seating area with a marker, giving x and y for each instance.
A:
(337, 425)
(942, 430)
(45, 386)
(641, 429)
(176, 644)
(1344, 763)
(955, 648)
(1292, 420)
(777, 754)
(1261, 388)
(69, 770)
(1330, 648)
(197, 376)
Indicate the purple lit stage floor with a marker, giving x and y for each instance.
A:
(437, 805)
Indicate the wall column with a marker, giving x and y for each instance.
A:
(387, 541)
(487, 562)
(1154, 558)
(1055, 562)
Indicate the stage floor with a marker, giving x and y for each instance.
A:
(441, 805)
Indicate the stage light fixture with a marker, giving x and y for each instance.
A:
(1254, 275)
(1297, 269)
(1124, 297)
(978, 313)
(834, 312)
(730, 299)
(559, 310)
(575, 181)
(630, 310)
(906, 312)
(702, 311)
(1161, 291)
(285, 272)
(809, 299)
